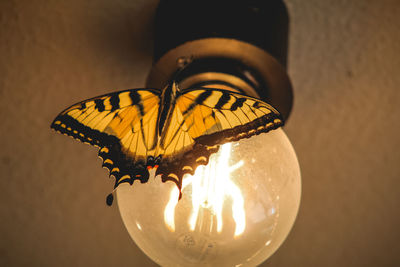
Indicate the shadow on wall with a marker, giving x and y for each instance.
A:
(125, 32)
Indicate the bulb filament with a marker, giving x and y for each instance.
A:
(211, 185)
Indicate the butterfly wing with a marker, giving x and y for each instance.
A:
(205, 118)
(122, 125)
(216, 116)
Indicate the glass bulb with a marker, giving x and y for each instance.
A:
(235, 211)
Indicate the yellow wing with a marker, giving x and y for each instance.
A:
(122, 124)
(215, 116)
(205, 118)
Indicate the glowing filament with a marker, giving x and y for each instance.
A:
(211, 185)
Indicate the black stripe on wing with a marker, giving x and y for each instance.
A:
(198, 101)
(67, 125)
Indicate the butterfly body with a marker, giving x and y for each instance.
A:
(168, 100)
(171, 130)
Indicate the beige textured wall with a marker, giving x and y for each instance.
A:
(344, 61)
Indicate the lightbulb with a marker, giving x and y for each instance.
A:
(235, 211)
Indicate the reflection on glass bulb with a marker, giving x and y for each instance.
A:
(211, 185)
(235, 211)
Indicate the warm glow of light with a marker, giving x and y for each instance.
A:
(211, 185)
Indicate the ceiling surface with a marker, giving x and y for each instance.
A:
(344, 62)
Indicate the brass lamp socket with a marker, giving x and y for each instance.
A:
(240, 45)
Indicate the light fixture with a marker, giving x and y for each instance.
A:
(238, 209)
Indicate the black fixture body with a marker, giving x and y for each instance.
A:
(241, 44)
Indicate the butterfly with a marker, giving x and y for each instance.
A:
(171, 130)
